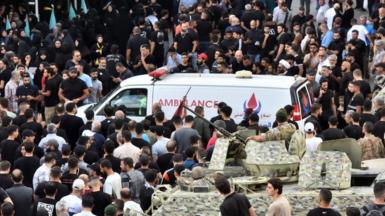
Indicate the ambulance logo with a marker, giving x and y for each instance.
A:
(253, 104)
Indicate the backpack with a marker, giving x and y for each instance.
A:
(372, 210)
(297, 145)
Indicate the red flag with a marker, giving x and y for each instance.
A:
(180, 111)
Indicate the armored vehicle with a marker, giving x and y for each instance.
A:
(321, 169)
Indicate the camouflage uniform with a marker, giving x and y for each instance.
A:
(297, 144)
(203, 182)
(372, 147)
(281, 132)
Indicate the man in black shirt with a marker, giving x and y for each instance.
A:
(31, 124)
(326, 99)
(77, 59)
(367, 113)
(73, 89)
(71, 124)
(164, 161)
(5, 75)
(378, 203)
(234, 203)
(50, 93)
(187, 40)
(357, 100)
(8, 147)
(353, 130)
(325, 197)
(48, 202)
(379, 127)
(145, 62)
(133, 45)
(109, 147)
(54, 179)
(157, 39)
(226, 116)
(28, 92)
(5, 179)
(101, 199)
(332, 132)
(148, 189)
(316, 111)
(28, 164)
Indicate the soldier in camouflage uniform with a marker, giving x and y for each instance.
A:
(199, 180)
(371, 145)
(283, 131)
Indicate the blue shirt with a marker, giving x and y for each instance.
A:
(144, 137)
(327, 39)
(189, 164)
(87, 79)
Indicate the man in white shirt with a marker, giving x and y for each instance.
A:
(363, 33)
(159, 147)
(312, 142)
(330, 14)
(113, 183)
(130, 206)
(73, 201)
(51, 134)
(43, 172)
(282, 15)
(321, 11)
(127, 149)
(87, 205)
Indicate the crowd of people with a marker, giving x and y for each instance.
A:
(54, 163)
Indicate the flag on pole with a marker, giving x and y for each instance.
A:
(52, 20)
(71, 12)
(7, 24)
(27, 30)
(83, 6)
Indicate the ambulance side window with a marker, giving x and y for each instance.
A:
(305, 101)
(132, 101)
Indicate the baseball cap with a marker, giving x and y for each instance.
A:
(88, 133)
(110, 210)
(78, 184)
(27, 133)
(73, 68)
(203, 56)
(309, 127)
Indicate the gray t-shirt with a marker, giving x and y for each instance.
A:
(96, 87)
(182, 138)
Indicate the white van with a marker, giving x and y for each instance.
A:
(265, 94)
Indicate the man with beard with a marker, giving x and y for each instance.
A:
(28, 92)
(104, 76)
(326, 99)
(316, 111)
(50, 93)
(202, 66)
(97, 87)
(73, 89)
(145, 62)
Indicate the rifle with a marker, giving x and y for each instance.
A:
(222, 130)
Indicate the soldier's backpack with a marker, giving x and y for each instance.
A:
(297, 145)
(372, 210)
(325, 169)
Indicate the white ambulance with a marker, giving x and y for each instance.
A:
(264, 94)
